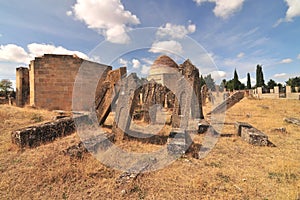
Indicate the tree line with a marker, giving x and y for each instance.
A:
(235, 83)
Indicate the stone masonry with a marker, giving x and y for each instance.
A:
(22, 86)
(51, 80)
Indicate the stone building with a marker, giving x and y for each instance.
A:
(165, 71)
(50, 80)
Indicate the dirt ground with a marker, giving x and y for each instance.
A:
(233, 169)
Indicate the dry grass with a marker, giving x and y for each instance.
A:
(232, 170)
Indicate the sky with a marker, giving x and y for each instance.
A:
(218, 36)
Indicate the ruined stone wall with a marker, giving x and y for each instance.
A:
(52, 80)
(292, 95)
(22, 86)
(36, 135)
(275, 94)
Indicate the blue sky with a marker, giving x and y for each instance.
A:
(233, 33)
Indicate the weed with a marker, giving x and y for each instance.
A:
(213, 164)
(223, 177)
(36, 118)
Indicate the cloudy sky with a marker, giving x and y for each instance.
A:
(233, 33)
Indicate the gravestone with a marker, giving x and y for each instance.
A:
(251, 135)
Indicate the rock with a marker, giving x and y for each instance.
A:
(203, 126)
(292, 120)
(76, 151)
(281, 130)
(252, 135)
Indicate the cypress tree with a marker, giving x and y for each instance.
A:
(236, 80)
(259, 76)
(202, 81)
(248, 81)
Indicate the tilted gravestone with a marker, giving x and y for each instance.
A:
(252, 135)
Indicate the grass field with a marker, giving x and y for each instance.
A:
(232, 170)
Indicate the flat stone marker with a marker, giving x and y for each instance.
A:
(292, 120)
(240, 125)
(252, 135)
(178, 141)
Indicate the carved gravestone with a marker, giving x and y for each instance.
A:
(191, 74)
(153, 93)
(107, 92)
(126, 102)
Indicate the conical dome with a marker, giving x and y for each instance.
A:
(163, 65)
(165, 61)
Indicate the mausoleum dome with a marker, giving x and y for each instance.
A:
(163, 65)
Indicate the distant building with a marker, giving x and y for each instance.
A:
(164, 71)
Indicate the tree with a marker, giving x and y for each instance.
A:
(229, 85)
(248, 81)
(210, 83)
(202, 81)
(242, 86)
(236, 82)
(5, 87)
(294, 82)
(260, 82)
(271, 84)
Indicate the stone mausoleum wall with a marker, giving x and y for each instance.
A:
(52, 78)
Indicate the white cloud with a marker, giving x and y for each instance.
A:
(240, 55)
(108, 17)
(292, 12)
(191, 28)
(0, 35)
(298, 57)
(95, 58)
(147, 61)
(286, 61)
(224, 8)
(167, 47)
(280, 75)
(175, 31)
(41, 49)
(136, 63)
(69, 13)
(217, 75)
(123, 62)
(145, 69)
(199, 2)
(244, 80)
(13, 53)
